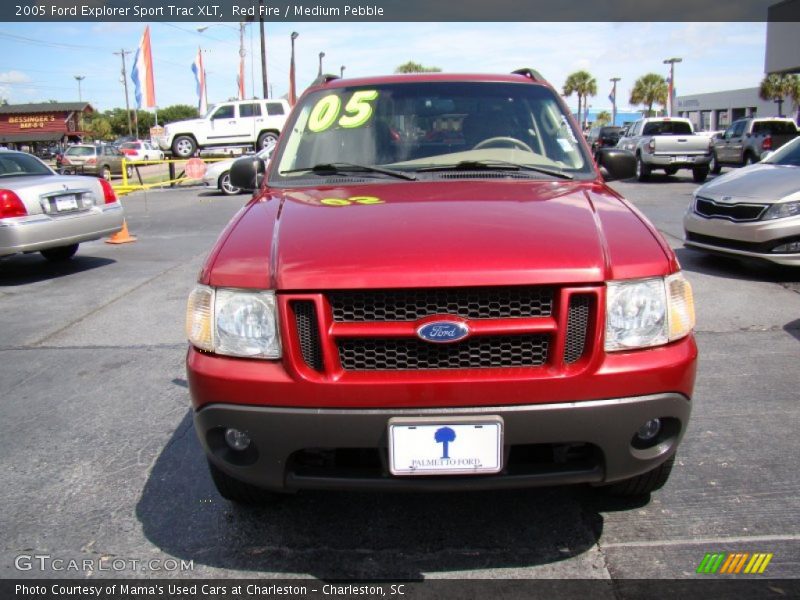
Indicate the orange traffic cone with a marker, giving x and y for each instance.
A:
(122, 236)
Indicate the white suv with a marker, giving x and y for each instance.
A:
(241, 123)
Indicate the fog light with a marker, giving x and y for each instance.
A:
(647, 431)
(790, 247)
(238, 440)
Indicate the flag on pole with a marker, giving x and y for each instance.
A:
(200, 80)
(142, 73)
(611, 97)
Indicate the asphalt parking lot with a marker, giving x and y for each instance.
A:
(101, 460)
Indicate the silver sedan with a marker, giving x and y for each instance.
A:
(218, 173)
(751, 212)
(41, 211)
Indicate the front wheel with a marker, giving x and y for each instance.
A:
(267, 138)
(129, 171)
(699, 174)
(225, 185)
(642, 170)
(61, 253)
(644, 483)
(714, 165)
(237, 491)
(750, 159)
(184, 146)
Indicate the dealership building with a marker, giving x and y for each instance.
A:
(30, 125)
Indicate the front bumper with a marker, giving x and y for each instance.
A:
(40, 232)
(752, 239)
(292, 447)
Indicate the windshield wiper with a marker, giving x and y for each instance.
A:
(342, 167)
(495, 165)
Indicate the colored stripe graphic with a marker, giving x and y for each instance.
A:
(711, 562)
(734, 563)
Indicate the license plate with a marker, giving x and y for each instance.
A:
(682, 159)
(450, 446)
(64, 203)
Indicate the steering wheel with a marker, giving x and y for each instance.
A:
(503, 139)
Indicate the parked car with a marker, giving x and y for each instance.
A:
(746, 140)
(141, 150)
(218, 174)
(41, 211)
(395, 312)
(603, 137)
(87, 159)
(667, 143)
(253, 123)
(753, 212)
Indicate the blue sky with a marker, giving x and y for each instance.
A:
(38, 60)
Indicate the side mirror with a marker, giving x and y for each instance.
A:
(619, 164)
(247, 173)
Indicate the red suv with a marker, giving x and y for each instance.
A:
(434, 289)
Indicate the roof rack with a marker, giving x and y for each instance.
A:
(325, 78)
(531, 74)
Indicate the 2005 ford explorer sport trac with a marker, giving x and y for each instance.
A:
(434, 289)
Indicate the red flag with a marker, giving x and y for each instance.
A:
(240, 78)
(292, 93)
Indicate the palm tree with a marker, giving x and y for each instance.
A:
(777, 87)
(650, 89)
(444, 436)
(603, 118)
(415, 67)
(584, 85)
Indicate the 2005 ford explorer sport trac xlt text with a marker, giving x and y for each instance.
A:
(434, 289)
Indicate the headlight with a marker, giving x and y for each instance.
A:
(233, 322)
(642, 313)
(780, 211)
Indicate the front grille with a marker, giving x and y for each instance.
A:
(733, 212)
(395, 354)
(577, 326)
(467, 303)
(305, 314)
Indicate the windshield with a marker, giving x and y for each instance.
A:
(417, 126)
(786, 155)
(16, 165)
(774, 127)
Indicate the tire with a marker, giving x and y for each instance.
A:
(645, 483)
(750, 159)
(699, 174)
(225, 186)
(237, 491)
(714, 165)
(129, 171)
(60, 254)
(670, 170)
(184, 146)
(266, 138)
(105, 173)
(642, 170)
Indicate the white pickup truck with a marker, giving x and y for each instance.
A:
(667, 143)
(254, 123)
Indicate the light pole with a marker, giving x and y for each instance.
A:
(671, 62)
(614, 81)
(321, 56)
(124, 79)
(263, 47)
(341, 71)
(242, 53)
(292, 93)
(79, 78)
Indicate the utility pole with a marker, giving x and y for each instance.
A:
(614, 81)
(79, 78)
(341, 71)
(263, 47)
(321, 56)
(671, 62)
(122, 52)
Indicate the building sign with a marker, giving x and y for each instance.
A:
(31, 121)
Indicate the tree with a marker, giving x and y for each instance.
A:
(603, 118)
(413, 67)
(584, 85)
(97, 126)
(777, 87)
(650, 89)
(445, 435)
(176, 112)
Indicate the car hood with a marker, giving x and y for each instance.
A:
(432, 234)
(764, 182)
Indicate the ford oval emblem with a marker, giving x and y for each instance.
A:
(442, 332)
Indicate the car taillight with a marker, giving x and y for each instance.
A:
(651, 145)
(767, 143)
(65, 161)
(109, 195)
(91, 161)
(11, 205)
(128, 151)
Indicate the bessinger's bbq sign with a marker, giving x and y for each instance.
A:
(31, 121)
